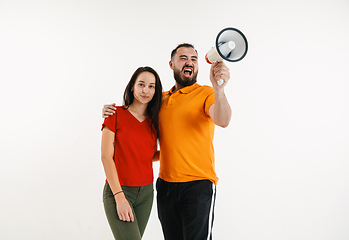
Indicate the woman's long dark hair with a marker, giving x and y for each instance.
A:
(154, 105)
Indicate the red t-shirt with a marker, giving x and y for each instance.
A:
(134, 148)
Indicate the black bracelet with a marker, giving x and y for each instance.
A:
(118, 193)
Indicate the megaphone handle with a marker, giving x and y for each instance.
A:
(220, 81)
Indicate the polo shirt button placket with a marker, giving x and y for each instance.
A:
(170, 99)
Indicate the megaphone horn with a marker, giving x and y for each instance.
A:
(231, 45)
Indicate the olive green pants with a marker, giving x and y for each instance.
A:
(141, 201)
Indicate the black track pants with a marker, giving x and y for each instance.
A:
(186, 209)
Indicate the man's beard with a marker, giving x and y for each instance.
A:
(182, 80)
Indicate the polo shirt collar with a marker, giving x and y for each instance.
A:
(187, 89)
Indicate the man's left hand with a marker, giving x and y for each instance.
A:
(219, 71)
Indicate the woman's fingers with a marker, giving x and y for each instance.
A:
(127, 217)
(124, 211)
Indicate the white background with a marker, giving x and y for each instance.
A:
(283, 161)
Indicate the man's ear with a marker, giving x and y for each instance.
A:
(171, 64)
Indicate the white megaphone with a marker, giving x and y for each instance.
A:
(231, 45)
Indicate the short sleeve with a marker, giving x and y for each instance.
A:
(210, 100)
(110, 122)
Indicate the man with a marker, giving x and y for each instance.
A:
(187, 178)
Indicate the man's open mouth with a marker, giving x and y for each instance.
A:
(187, 72)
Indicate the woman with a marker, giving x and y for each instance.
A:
(129, 144)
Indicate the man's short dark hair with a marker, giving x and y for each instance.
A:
(187, 45)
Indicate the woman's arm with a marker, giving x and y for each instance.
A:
(156, 156)
(107, 153)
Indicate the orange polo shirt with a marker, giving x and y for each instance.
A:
(186, 135)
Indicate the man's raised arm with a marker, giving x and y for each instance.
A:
(220, 111)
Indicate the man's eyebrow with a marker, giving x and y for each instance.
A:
(187, 56)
